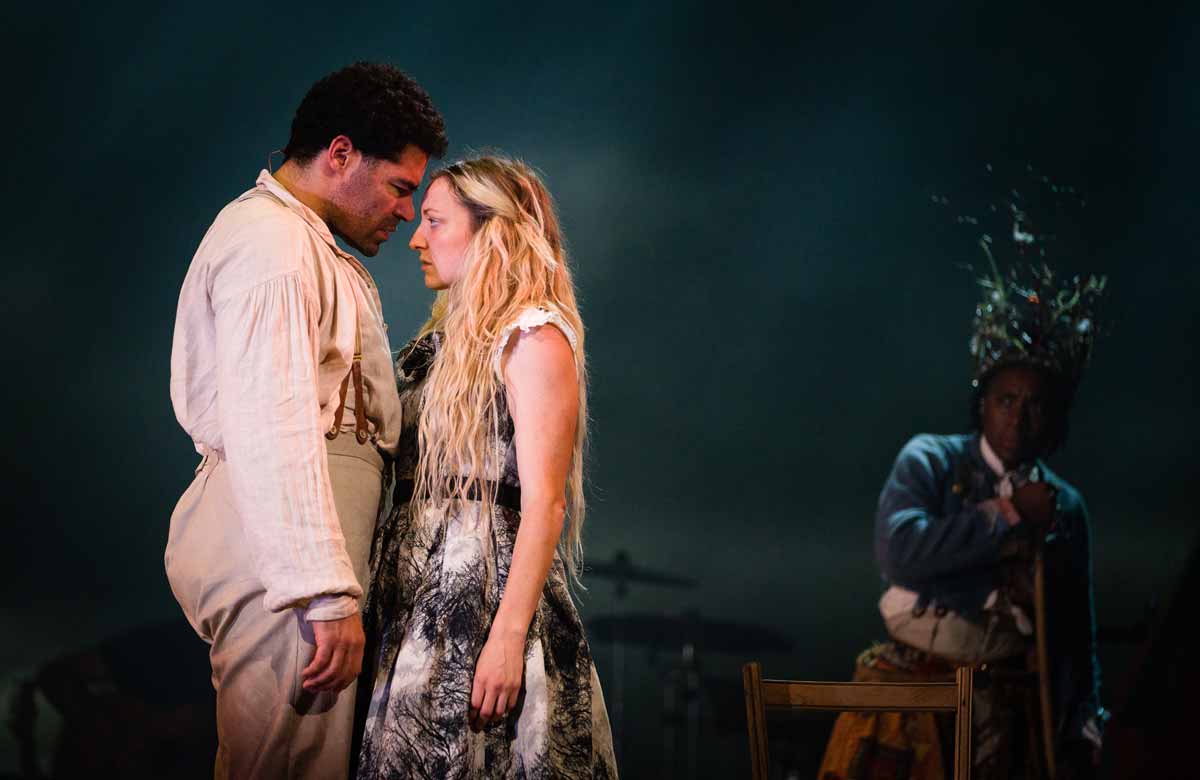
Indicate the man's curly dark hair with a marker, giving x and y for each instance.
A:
(377, 106)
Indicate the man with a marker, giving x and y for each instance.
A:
(281, 373)
(959, 521)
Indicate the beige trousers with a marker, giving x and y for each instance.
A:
(267, 725)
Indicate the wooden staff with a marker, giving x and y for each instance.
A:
(1043, 653)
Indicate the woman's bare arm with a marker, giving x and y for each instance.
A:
(543, 399)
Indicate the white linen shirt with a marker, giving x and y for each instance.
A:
(264, 336)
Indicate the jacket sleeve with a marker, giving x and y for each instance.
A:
(915, 544)
(269, 412)
(1077, 662)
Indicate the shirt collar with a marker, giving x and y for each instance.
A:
(994, 463)
(991, 458)
(270, 184)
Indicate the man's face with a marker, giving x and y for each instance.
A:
(373, 196)
(1014, 414)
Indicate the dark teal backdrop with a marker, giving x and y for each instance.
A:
(773, 302)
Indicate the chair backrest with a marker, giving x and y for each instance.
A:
(762, 695)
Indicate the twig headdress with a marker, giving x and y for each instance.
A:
(1029, 317)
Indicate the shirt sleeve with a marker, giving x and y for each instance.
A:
(915, 543)
(267, 342)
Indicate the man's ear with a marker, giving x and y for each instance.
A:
(340, 154)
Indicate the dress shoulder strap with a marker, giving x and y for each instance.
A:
(533, 317)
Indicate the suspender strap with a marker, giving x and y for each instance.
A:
(360, 409)
(332, 433)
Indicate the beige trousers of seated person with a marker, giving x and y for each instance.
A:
(267, 725)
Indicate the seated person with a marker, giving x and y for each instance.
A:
(958, 522)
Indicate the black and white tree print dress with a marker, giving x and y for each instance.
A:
(436, 584)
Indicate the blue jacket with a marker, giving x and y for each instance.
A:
(931, 537)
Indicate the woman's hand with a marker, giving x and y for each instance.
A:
(498, 674)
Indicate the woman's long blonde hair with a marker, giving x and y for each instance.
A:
(515, 260)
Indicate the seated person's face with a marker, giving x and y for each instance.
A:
(442, 237)
(1014, 414)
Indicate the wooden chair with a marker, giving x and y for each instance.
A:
(763, 695)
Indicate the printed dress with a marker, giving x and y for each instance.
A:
(436, 585)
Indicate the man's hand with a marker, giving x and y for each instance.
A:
(338, 658)
(1034, 502)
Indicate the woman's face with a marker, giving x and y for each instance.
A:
(442, 236)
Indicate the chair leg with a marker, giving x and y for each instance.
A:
(965, 677)
(756, 720)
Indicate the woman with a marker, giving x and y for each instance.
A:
(481, 667)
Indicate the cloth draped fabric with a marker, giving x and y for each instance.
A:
(919, 745)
